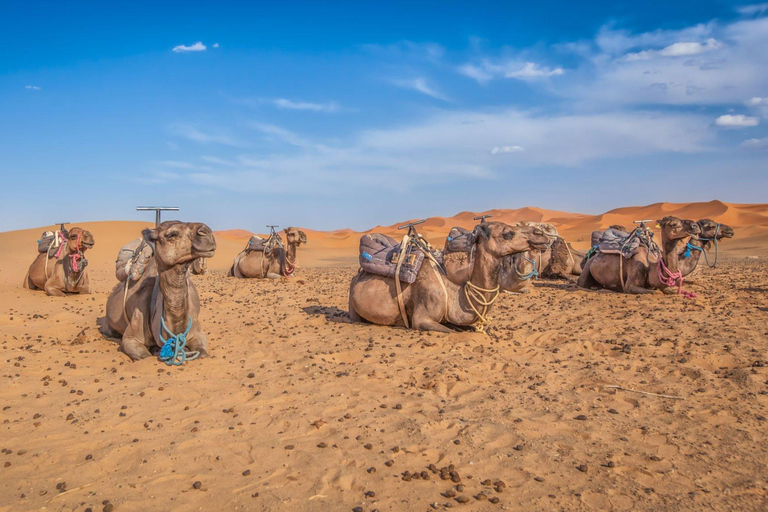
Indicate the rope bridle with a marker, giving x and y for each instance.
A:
(689, 246)
(472, 292)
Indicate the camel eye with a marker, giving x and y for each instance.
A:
(171, 235)
(507, 235)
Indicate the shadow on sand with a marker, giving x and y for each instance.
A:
(331, 313)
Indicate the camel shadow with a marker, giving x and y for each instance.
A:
(568, 285)
(331, 313)
(755, 289)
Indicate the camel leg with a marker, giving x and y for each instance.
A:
(28, 284)
(133, 343)
(638, 290)
(198, 343)
(231, 272)
(54, 287)
(585, 279)
(427, 324)
(272, 275)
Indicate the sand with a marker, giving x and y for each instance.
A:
(298, 410)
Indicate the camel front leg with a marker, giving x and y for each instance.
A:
(639, 290)
(198, 343)
(28, 284)
(272, 275)
(55, 286)
(427, 324)
(133, 343)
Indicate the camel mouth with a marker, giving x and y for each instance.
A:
(538, 246)
(205, 253)
(87, 245)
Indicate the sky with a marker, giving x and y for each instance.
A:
(354, 114)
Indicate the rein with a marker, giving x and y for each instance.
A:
(532, 273)
(172, 353)
(671, 279)
(689, 246)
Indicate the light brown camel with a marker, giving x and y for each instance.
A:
(645, 271)
(711, 233)
(558, 259)
(165, 290)
(274, 264)
(62, 271)
(428, 302)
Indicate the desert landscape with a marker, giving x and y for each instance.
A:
(573, 399)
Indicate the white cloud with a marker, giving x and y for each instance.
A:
(303, 105)
(755, 144)
(487, 70)
(281, 134)
(33, 87)
(507, 149)
(736, 121)
(217, 161)
(420, 84)
(750, 10)
(197, 47)
(215, 45)
(192, 133)
(532, 70)
(683, 49)
(757, 102)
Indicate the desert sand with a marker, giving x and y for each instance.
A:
(299, 410)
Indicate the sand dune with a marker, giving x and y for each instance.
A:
(298, 410)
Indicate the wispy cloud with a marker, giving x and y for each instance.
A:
(757, 102)
(420, 85)
(751, 10)
(190, 132)
(506, 149)
(487, 69)
(683, 49)
(305, 105)
(756, 144)
(197, 47)
(281, 134)
(33, 87)
(736, 121)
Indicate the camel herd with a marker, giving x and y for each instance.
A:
(155, 306)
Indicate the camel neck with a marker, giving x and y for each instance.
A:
(486, 271)
(174, 286)
(671, 250)
(290, 254)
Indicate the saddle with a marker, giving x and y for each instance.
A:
(614, 241)
(50, 241)
(258, 244)
(380, 255)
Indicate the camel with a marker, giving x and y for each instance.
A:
(559, 259)
(163, 303)
(274, 264)
(646, 271)
(711, 233)
(517, 271)
(65, 270)
(432, 298)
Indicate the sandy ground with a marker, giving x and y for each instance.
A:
(298, 410)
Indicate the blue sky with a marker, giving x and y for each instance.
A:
(359, 113)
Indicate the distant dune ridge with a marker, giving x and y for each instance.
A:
(339, 247)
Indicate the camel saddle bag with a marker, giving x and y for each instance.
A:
(614, 241)
(265, 245)
(132, 259)
(50, 240)
(380, 254)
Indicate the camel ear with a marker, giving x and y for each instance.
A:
(658, 223)
(481, 230)
(150, 235)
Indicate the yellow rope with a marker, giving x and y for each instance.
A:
(474, 292)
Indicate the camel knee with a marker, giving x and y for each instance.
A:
(134, 348)
(53, 291)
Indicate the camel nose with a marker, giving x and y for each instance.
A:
(204, 230)
(538, 231)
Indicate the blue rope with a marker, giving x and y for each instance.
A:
(172, 353)
(689, 246)
(532, 273)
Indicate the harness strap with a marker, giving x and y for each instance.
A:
(398, 286)
(172, 352)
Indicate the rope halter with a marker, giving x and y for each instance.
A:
(172, 353)
(474, 293)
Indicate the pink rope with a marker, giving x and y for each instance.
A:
(669, 278)
(63, 243)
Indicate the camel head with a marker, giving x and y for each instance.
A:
(673, 228)
(500, 239)
(181, 242)
(295, 236)
(709, 229)
(79, 240)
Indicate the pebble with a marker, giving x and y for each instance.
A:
(246, 472)
(462, 499)
(581, 417)
(582, 467)
(321, 444)
(289, 447)
(198, 484)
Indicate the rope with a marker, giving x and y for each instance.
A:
(689, 246)
(435, 267)
(172, 353)
(532, 273)
(398, 286)
(669, 278)
(474, 292)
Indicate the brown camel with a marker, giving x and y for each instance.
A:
(647, 270)
(711, 233)
(62, 271)
(274, 264)
(164, 291)
(433, 298)
(558, 259)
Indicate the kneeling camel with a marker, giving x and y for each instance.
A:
(63, 271)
